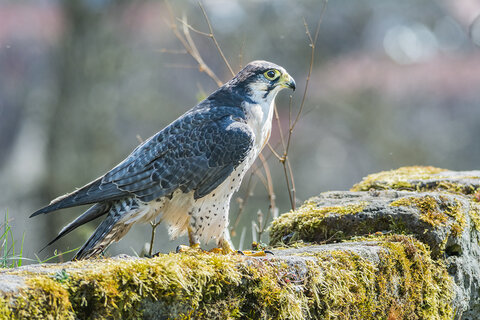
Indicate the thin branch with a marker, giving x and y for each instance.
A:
(282, 139)
(269, 180)
(189, 26)
(271, 195)
(287, 168)
(313, 43)
(260, 176)
(212, 36)
(290, 102)
(292, 180)
(196, 55)
(287, 180)
(189, 45)
(279, 157)
(154, 226)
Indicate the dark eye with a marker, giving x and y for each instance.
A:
(272, 74)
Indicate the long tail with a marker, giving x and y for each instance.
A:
(92, 213)
(91, 193)
(113, 228)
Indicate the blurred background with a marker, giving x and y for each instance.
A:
(395, 83)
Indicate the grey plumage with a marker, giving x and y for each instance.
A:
(194, 155)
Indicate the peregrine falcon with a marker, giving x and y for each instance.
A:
(187, 173)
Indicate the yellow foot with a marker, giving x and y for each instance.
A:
(218, 251)
(249, 253)
(193, 248)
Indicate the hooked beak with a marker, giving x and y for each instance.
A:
(286, 81)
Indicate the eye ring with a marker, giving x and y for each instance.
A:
(271, 74)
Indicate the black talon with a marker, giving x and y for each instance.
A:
(240, 252)
(268, 251)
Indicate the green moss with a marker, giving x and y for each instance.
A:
(474, 214)
(398, 179)
(5, 311)
(427, 286)
(415, 179)
(404, 282)
(45, 300)
(429, 211)
(308, 223)
(186, 286)
(436, 211)
(310, 207)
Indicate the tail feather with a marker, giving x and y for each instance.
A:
(112, 229)
(98, 240)
(93, 192)
(92, 213)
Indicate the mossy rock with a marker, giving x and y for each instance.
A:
(438, 207)
(390, 277)
(439, 220)
(422, 179)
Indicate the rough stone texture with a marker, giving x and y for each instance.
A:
(382, 277)
(439, 207)
(379, 211)
(402, 244)
(10, 283)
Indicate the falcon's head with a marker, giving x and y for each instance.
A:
(261, 80)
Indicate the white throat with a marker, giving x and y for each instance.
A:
(259, 117)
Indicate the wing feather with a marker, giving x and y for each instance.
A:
(196, 152)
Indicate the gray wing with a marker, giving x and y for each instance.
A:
(196, 152)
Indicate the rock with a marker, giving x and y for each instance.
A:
(422, 179)
(401, 245)
(438, 207)
(393, 276)
(440, 220)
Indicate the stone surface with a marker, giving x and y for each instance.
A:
(438, 207)
(375, 277)
(403, 244)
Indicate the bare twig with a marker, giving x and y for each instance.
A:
(313, 43)
(212, 36)
(190, 46)
(284, 159)
(271, 195)
(184, 22)
(154, 225)
(272, 149)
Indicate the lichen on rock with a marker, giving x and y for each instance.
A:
(433, 218)
(440, 208)
(403, 245)
(418, 178)
(392, 275)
